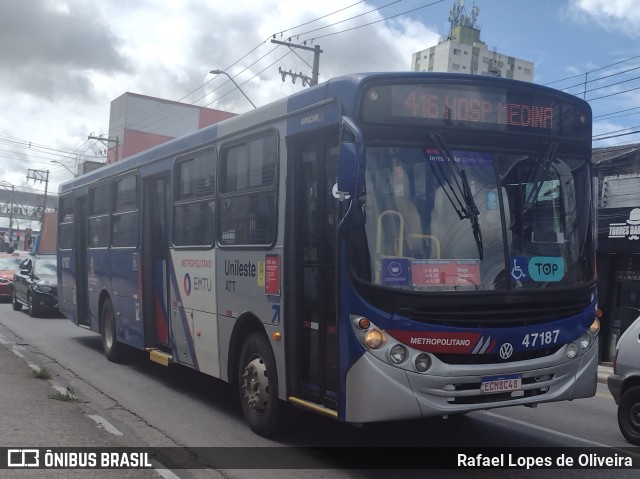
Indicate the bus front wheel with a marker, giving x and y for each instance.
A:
(258, 384)
(113, 350)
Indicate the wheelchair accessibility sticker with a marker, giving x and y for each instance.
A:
(538, 268)
(519, 268)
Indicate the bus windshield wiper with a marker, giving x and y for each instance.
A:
(543, 165)
(459, 191)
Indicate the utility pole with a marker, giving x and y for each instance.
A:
(13, 189)
(315, 73)
(41, 176)
(106, 142)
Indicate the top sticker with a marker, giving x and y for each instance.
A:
(546, 268)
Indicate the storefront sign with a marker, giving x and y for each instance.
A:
(629, 229)
(619, 230)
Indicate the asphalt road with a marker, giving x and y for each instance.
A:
(158, 406)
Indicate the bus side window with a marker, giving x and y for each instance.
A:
(194, 203)
(248, 191)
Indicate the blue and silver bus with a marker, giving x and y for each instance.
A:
(378, 247)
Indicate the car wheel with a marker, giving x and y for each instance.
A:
(258, 385)
(31, 307)
(629, 415)
(113, 350)
(15, 304)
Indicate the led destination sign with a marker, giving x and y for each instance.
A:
(476, 107)
(456, 108)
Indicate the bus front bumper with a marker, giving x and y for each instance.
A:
(377, 391)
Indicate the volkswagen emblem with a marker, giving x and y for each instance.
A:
(506, 350)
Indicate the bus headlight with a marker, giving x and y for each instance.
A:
(585, 341)
(423, 362)
(398, 354)
(572, 350)
(595, 327)
(374, 339)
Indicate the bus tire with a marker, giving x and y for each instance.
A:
(258, 385)
(629, 415)
(113, 350)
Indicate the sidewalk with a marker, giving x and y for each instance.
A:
(31, 416)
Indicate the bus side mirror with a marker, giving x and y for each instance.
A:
(349, 171)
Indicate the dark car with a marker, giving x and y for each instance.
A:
(35, 285)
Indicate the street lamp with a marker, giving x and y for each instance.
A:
(63, 165)
(218, 72)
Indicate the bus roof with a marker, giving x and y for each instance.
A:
(340, 90)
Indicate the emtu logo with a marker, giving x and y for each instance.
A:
(187, 284)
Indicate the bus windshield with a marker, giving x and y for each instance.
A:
(528, 228)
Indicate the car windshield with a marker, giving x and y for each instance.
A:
(46, 265)
(520, 221)
(10, 263)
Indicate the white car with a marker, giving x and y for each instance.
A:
(624, 383)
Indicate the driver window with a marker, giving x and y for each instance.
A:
(396, 205)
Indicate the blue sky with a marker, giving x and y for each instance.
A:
(62, 62)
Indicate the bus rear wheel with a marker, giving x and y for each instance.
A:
(113, 350)
(258, 384)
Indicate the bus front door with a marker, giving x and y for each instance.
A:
(155, 250)
(312, 238)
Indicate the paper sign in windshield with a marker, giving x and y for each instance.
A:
(445, 272)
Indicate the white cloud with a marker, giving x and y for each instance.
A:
(61, 64)
(621, 15)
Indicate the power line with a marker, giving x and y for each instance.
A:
(261, 71)
(272, 50)
(297, 35)
(584, 83)
(320, 18)
(614, 94)
(32, 146)
(260, 45)
(616, 112)
(617, 131)
(245, 56)
(378, 21)
(592, 71)
(615, 136)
